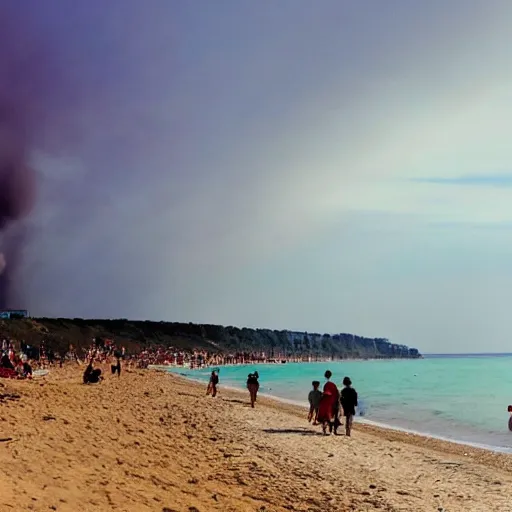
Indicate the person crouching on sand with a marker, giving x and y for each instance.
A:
(253, 385)
(92, 375)
(348, 403)
(314, 397)
(212, 385)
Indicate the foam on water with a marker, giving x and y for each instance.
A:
(462, 399)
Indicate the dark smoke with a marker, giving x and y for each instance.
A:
(17, 191)
(79, 82)
(24, 104)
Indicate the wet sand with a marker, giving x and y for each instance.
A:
(154, 442)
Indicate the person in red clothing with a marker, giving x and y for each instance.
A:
(329, 406)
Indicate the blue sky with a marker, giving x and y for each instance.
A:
(332, 166)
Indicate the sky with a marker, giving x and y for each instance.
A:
(327, 166)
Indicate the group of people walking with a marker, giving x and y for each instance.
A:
(253, 385)
(326, 407)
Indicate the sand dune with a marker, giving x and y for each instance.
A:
(153, 442)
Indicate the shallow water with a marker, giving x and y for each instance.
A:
(463, 398)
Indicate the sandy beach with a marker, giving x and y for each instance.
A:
(154, 442)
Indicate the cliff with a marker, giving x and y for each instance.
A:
(134, 335)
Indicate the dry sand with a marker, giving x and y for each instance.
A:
(153, 442)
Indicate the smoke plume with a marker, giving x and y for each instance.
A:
(34, 101)
(35, 98)
(19, 83)
(79, 82)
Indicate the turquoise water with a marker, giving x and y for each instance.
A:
(462, 398)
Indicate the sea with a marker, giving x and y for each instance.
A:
(461, 398)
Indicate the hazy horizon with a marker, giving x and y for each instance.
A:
(327, 167)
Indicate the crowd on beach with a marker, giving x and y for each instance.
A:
(326, 406)
(160, 355)
(22, 361)
(17, 359)
(15, 354)
(102, 349)
(14, 365)
(169, 356)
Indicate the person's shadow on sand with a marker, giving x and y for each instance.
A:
(236, 401)
(298, 431)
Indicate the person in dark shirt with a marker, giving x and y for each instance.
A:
(212, 384)
(6, 362)
(314, 397)
(348, 403)
(116, 368)
(253, 385)
(26, 369)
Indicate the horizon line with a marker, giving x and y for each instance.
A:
(467, 353)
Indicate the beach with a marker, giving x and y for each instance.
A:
(435, 396)
(150, 441)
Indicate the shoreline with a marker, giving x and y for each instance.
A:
(374, 426)
(151, 442)
(361, 420)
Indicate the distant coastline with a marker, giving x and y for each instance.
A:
(136, 335)
(470, 354)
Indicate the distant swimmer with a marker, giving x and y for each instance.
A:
(510, 419)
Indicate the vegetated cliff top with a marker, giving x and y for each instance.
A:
(135, 335)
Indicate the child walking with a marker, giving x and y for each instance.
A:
(314, 397)
(348, 403)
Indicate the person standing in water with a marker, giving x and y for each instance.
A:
(253, 385)
(329, 406)
(348, 403)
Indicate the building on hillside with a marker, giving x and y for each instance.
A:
(13, 313)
